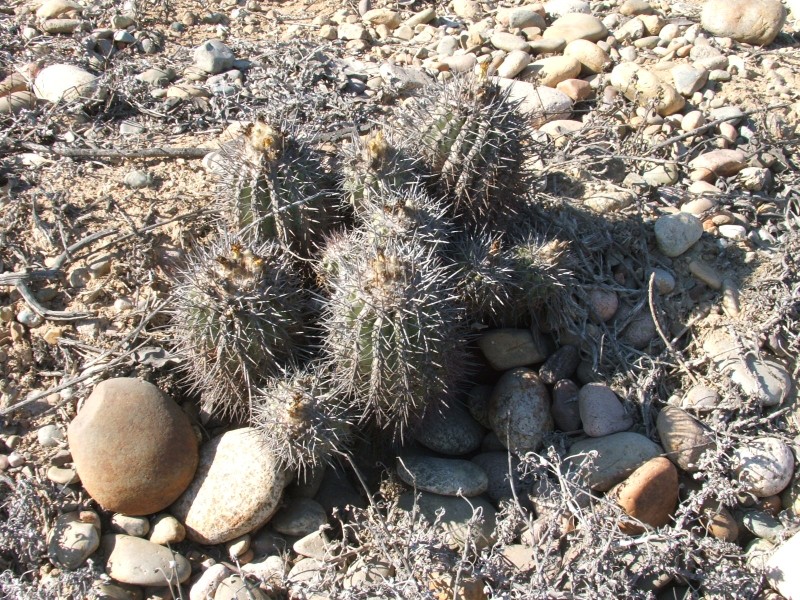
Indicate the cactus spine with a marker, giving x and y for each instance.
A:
(239, 320)
(472, 142)
(304, 423)
(390, 331)
(274, 189)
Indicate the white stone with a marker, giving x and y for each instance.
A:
(764, 466)
(66, 82)
(782, 569)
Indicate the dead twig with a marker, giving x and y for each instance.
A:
(125, 154)
(46, 313)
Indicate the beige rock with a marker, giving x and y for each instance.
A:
(639, 84)
(139, 562)
(66, 82)
(382, 16)
(16, 102)
(721, 162)
(575, 26)
(683, 437)
(593, 58)
(55, 8)
(578, 90)
(549, 72)
(751, 21)
(540, 104)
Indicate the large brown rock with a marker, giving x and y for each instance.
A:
(133, 447)
(649, 495)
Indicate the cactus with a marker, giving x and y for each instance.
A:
(486, 283)
(303, 421)
(275, 189)
(238, 318)
(539, 274)
(372, 164)
(391, 331)
(472, 141)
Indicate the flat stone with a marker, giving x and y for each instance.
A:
(764, 525)
(449, 430)
(576, 26)
(63, 26)
(722, 162)
(683, 437)
(547, 46)
(618, 455)
(299, 517)
(478, 399)
(781, 569)
(603, 303)
(764, 466)
(55, 8)
(382, 16)
(676, 233)
(578, 90)
(456, 516)
(237, 488)
(509, 348)
(72, 541)
(313, 545)
(133, 447)
(139, 562)
(649, 495)
(508, 42)
(66, 82)
(755, 22)
(271, 570)
(157, 77)
(601, 411)
(403, 79)
(706, 274)
(352, 31)
(519, 410)
(213, 56)
(764, 379)
(521, 17)
(205, 587)
(467, 9)
(461, 63)
(443, 476)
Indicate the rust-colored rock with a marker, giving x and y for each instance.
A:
(133, 447)
(648, 495)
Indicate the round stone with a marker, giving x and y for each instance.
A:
(781, 569)
(72, 541)
(139, 562)
(764, 466)
(205, 587)
(593, 58)
(234, 587)
(551, 71)
(700, 398)
(299, 517)
(675, 234)
(601, 411)
(683, 437)
(454, 517)
(643, 86)
(519, 410)
(648, 495)
(133, 447)
(237, 488)
(750, 21)
(167, 529)
(560, 364)
(509, 348)
(617, 456)
(66, 82)
(213, 56)
(444, 476)
(721, 524)
(135, 526)
(449, 430)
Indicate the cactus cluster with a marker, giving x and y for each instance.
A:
(339, 291)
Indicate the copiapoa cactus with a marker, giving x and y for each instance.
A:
(392, 331)
(304, 421)
(472, 141)
(274, 188)
(238, 319)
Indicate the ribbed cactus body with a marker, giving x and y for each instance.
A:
(471, 141)
(238, 318)
(537, 271)
(274, 188)
(486, 281)
(391, 331)
(303, 420)
(371, 165)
